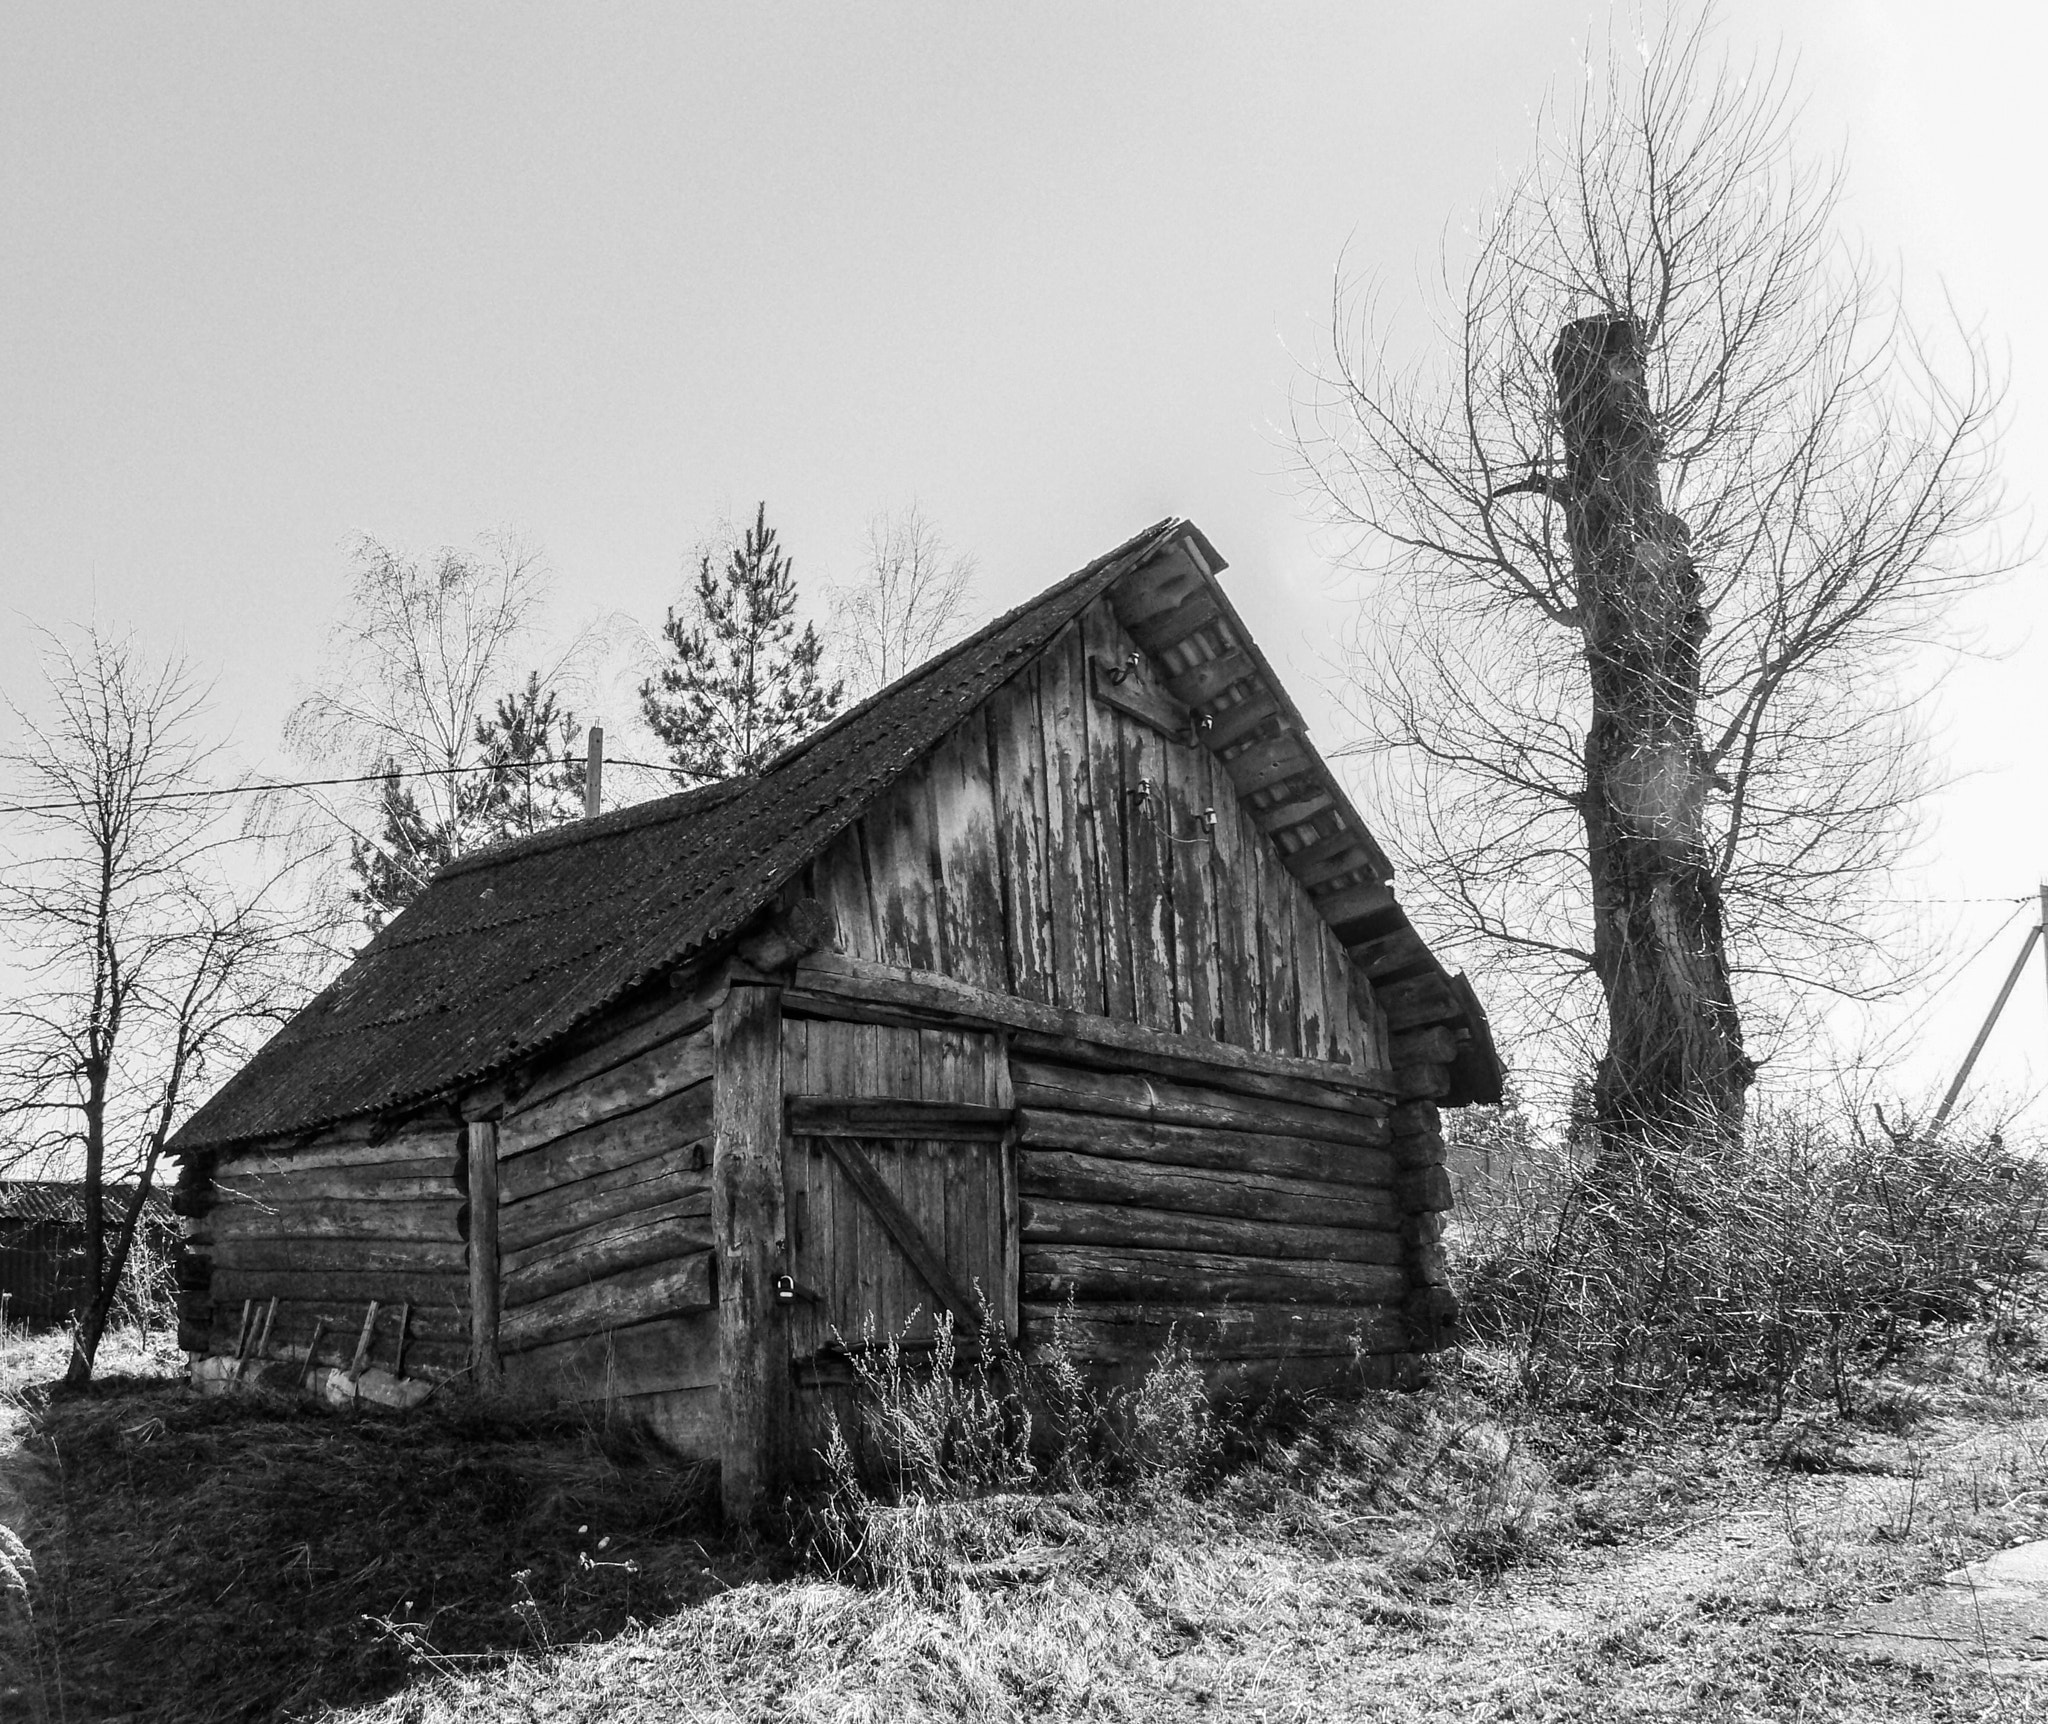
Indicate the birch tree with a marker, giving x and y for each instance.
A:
(908, 601)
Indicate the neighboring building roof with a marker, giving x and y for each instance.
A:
(512, 947)
(63, 1200)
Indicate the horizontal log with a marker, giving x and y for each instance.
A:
(645, 1358)
(1429, 1266)
(1425, 1149)
(388, 1287)
(630, 1087)
(431, 1256)
(1426, 1189)
(193, 1272)
(1423, 1082)
(438, 1146)
(1134, 1276)
(1365, 1091)
(612, 1039)
(1342, 1164)
(1259, 1196)
(1055, 1221)
(606, 1248)
(1040, 1084)
(393, 1182)
(1415, 1116)
(333, 1218)
(838, 1116)
(1432, 1046)
(666, 1289)
(826, 977)
(619, 1191)
(1424, 999)
(1120, 1333)
(193, 1337)
(680, 1118)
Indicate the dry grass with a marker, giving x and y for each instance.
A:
(1416, 1559)
(1447, 1553)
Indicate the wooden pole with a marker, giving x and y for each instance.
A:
(482, 1140)
(2012, 978)
(593, 777)
(747, 1205)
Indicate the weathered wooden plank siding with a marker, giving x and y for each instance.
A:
(327, 1227)
(1059, 849)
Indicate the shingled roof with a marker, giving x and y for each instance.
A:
(513, 947)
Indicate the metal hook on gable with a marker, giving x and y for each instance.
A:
(1127, 669)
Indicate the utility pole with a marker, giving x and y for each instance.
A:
(593, 780)
(1998, 1005)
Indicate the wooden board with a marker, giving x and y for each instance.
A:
(1101, 634)
(666, 1289)
(659, 1231)
(1220, 1150)
(1119, 1226)
(620, 1141)
(345, 1286)
(336, 1218)
(1128, 1275)
(970, 896)
(351, 1256)
(1117, 1334)
(1075, 922)
(1073, 1089)
(435, 1148)
(1017, 776)
(1258, 1196)
(636, 1084)
(679, 1172)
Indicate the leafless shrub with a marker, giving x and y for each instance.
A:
(1785, 1268)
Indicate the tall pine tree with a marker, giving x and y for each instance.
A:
(745, 683)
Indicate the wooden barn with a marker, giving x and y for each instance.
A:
(44, 1276)
(1060, 971)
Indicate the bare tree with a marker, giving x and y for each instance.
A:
(152, 938)
(909, 601)
(1650, 559)
(420, 653)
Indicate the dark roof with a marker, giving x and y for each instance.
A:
(513, 946)
(64, 1200)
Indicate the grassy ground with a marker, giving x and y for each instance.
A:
(1417, 1556)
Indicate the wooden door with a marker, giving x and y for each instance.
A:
(900, 1206)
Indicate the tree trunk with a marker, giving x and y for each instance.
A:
(1674, 1059)
(92, 1322)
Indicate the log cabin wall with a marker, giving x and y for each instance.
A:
(326, 1227)
(604, 1232)
(1267, 1235)
(1061, 849)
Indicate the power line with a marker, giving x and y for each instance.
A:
(214, 791)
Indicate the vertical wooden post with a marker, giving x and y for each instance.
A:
(747, 1205)
(593, 774)
(482, 1143)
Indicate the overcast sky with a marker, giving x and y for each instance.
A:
(275, 275)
